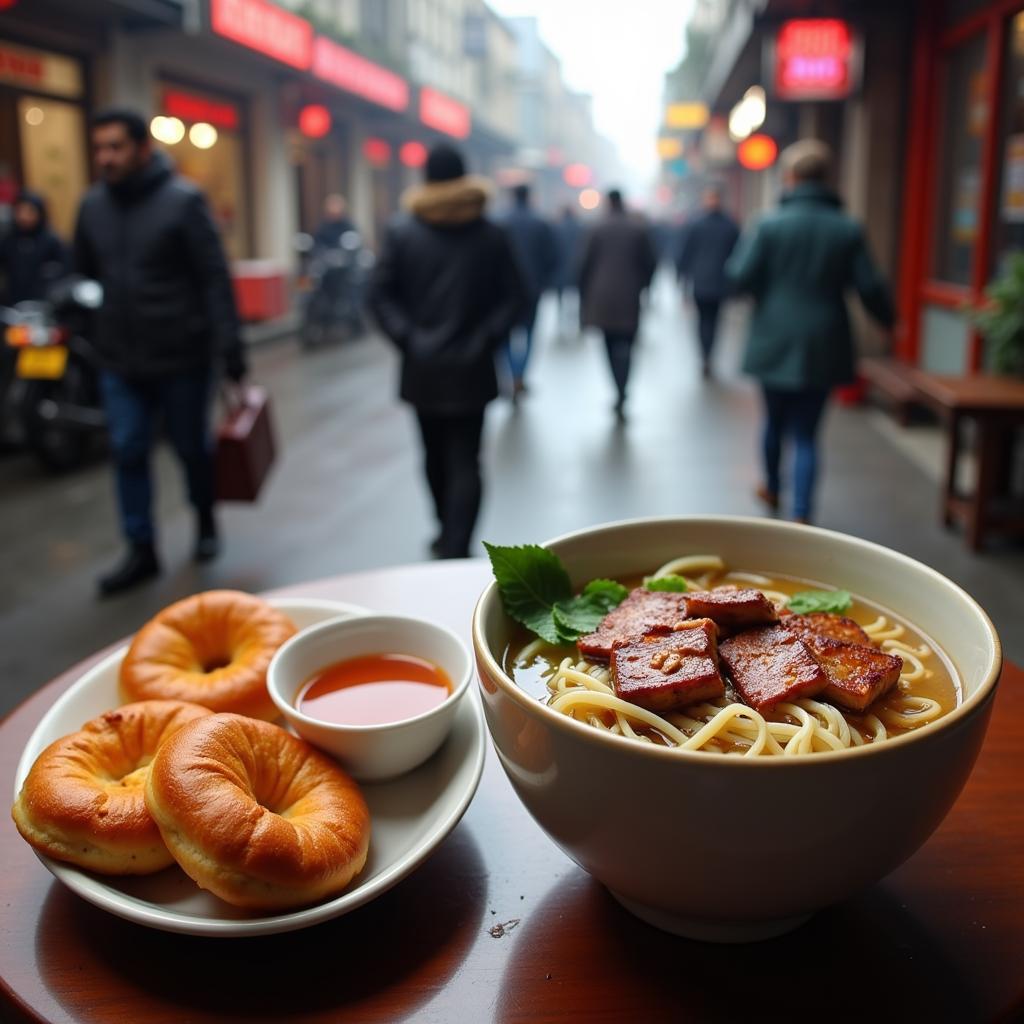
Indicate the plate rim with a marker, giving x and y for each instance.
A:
(96, 892)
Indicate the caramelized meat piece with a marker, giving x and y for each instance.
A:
(731, 610)
(771, 665)
(668, 671)
(839, 627)
(857, 675)
(643, 611)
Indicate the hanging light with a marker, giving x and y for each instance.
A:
(314, 121)
(202, 135)
(590, 199)
(168, 130)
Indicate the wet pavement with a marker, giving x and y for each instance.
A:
(347, 492)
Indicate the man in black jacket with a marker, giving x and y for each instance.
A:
(167, 326)
(707, 243)
(446, 290)
(32, 257)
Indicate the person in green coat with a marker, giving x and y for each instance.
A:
(798, 263)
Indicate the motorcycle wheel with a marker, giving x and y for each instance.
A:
(58, 448)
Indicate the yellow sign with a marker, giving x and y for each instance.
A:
(686, 115)
(669, 148)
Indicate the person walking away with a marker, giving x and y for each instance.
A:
(617, 265)
(706, 245)
(166, 328)
(32, 256)
(798, 263)
(536, 247)
(446, 290)
(569, 235)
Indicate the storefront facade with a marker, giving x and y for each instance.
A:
(965, 163)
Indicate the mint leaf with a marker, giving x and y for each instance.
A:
(807, 601)
(536, 591)
(607, 592)
(671, 582)
(531, 580)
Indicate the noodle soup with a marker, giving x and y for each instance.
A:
(583, 689)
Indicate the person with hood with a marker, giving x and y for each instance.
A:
(798, 263)
(617, 266)
(707, 243)
(536, 246)
(167, 327)
(32, 257)
(569, 233)
(446, 289)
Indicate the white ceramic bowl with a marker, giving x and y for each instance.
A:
(729, 848)
(371, 752)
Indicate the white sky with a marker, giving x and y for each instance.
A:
(619, 52)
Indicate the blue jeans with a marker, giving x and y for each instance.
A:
(795, 414)
(517, 348)
(133, 406)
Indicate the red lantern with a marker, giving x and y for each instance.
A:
(314, 121)
(756, 152)
(413, 154)
(377, 152)
(577, 175)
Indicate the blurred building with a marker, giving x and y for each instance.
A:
(920, 102)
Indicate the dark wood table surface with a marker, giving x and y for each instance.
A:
(996, 405)
(940, 939)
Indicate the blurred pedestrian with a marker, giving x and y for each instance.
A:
(166, 328)
(617, 265)
(336, 223)
(32, 256)
(536, 248)
(446, 290)
(569, 233)
(798, 263)
(707, 243)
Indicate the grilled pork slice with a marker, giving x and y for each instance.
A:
(857, 675)
(668, 671)
(839, 627)
(771, 665)
(643, 611)
(731, 610)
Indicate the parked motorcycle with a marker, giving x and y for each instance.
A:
(51, 403)
(336, 279)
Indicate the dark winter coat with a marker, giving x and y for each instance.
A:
(31, 261)
(536, 247)
(569, 233)
(617, 265)
(168, 305)
(707, 243)
(446, 290)
(798, 263)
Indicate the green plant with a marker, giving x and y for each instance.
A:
(1000, 318)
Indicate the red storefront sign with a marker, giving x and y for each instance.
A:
(265, 28)
(814, 60)
(444, 114)
(190, 108)
(359, 76)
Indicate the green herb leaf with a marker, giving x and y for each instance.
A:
(536, 591)
(607, 593)
(807, 601)
(531, 580)
(671, 582)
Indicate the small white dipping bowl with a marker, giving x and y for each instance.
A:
(370, 753)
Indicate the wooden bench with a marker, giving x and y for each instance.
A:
(894, 381)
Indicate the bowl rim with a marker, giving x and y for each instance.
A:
(290, 711)
(967, 708)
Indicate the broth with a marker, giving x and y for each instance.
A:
(936, 684)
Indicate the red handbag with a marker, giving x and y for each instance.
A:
(245, 445)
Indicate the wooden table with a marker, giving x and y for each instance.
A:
(996, 405)
(940, 939)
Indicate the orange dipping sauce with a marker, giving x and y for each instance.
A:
(375, 689)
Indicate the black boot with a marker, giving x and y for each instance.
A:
(138, 565)
(207, 540)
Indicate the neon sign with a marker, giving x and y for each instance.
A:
(444, 114)
(265, 28)
(359, 76)
(191, 108)
(814, 59)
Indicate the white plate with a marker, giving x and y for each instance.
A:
(409, 815)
